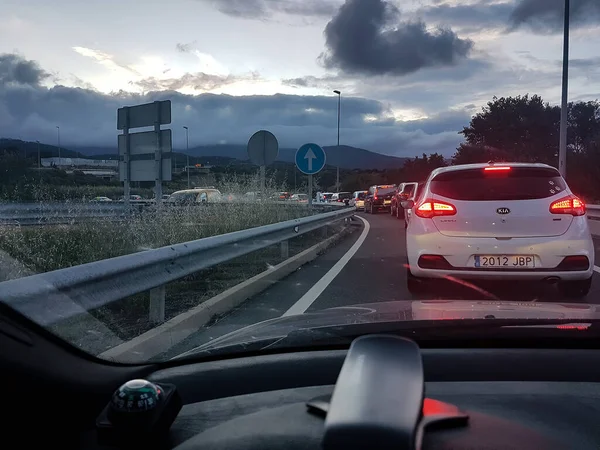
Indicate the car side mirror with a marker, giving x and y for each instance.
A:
(408, 204)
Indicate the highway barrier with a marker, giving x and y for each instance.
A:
(54, 296)
(32, 214)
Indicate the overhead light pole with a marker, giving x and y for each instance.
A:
(337, 178)
(564, 113)
(187, 154)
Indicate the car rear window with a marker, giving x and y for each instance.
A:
(416, 195)
(345, 195)
(361, 196)
(517, 183)
(409, 188)
(385, 190)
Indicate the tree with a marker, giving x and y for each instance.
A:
(525, 128)
(418, 169)
(584, 126)
(468, 154)
(522, 128)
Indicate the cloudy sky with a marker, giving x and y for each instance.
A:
(411, 72)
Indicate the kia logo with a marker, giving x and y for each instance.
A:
(503, 210)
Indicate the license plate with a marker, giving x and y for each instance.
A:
(387, 202)
(505, 261)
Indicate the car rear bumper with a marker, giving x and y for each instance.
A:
(381, 204)
(548, 252)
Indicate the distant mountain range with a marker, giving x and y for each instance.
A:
(345, 156)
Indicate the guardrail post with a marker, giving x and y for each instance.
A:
(157, 304)
(285, 249)
(324, 232)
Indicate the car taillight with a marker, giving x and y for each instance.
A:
(568, 205)
(431, 208)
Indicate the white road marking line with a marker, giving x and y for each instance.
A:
(313, 293)
(596, 269)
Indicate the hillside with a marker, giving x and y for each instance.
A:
(30, 149)
(345, 156)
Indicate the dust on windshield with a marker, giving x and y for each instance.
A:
(187, 172)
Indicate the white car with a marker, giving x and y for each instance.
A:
(358, 199)
(509, 221)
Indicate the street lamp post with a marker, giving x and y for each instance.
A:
(337, 178)
(58, 143)
(187, 154)
(564, 114)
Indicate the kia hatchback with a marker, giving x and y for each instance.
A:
(513, 221)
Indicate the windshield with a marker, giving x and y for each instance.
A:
(172, 173)
(183, 197)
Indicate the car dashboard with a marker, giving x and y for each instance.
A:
(508, 398)
(383, 392)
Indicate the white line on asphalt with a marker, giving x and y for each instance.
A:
(313, 293)
(596, 269)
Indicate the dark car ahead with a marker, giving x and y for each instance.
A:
(404, 192)
(379, 197)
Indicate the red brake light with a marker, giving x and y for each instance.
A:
(431, 208)
(568, 205)
(496, 168)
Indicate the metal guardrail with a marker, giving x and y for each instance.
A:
(27, 214)
(52, 296)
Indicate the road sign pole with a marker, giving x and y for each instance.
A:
(263, 149)
(310, 159)
(262, 184)
(310, 186)
(126, 167)
(158, 157)
(136, 149)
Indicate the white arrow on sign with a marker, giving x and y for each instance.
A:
(310, 156)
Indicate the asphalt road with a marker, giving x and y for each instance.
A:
(374, 273)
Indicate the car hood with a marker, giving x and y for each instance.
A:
(402, 311)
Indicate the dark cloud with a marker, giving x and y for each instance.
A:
(262, 9)
(310, 81)
(14, 69)
(367, 37)
(547, 16)
(423, 79)
(199, 81)
(87, 117)
(539, 16)
(185, 48)
(469, 17)
(584, 63)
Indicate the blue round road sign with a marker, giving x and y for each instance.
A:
(310, 159)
